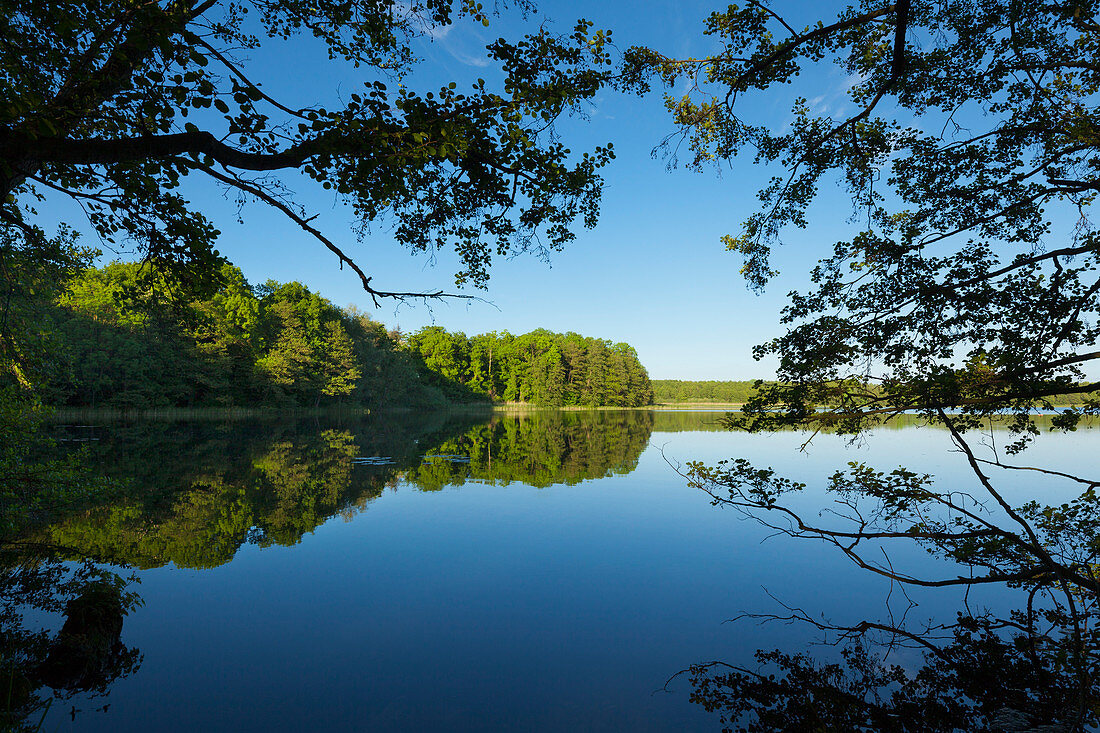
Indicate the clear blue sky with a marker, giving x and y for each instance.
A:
(653, 273)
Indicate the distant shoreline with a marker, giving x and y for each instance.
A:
(64, 414)
(696, 405)
(244, 413)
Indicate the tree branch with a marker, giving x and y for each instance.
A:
(102, 151)
(304, 223)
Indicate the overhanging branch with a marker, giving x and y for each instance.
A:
(103, 151)
(304, 223)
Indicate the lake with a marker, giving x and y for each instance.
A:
(521, 571)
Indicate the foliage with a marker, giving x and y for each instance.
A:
(120, 343)
(115, 105)
(966, 290)
(282, 345)
(539, 367)
(943, 300)
(970, 143)
(32, 272)
(678, 390)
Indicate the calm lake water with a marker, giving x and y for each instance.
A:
(546, 571)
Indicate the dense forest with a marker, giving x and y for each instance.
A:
(678, 390)
(122, 338)
(539, 367)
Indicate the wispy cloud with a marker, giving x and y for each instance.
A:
(465, 45)
(438, 33)
(835, 100)
(463, 57)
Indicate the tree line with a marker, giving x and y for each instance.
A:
(710, 390)
(740, 392)
(122, 337)
(539, 367)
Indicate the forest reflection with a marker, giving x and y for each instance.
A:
(193, 493)
(214, 487)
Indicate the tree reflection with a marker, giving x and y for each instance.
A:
(538, 449)
(188, 493)
(274, 493)
(193, 494)
(199, 507)
(990, 674)
(83, 658)
(1029, 669)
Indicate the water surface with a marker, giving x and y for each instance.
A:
(540, 571)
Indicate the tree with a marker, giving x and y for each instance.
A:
(291, 362)
(945, 302)
(539, 367)
(227, 335)
(446, 354)
(595, 375)
(120, 334)
(967, 291)
(964, 155)
(338, 367)
(31, 275)
(113, 105)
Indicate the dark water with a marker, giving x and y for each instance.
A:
(547, 571)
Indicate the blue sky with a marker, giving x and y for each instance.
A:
(653, 273)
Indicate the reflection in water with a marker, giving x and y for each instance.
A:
(84, 658)
(1029, 668)
(197, 492)
(538, 449)
(1030, 672)
(271, 484)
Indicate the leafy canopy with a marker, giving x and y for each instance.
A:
(113, 103)
(969, 146)
(969, 143)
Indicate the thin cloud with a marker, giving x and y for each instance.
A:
(465, 58)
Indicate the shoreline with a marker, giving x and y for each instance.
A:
(63, 414)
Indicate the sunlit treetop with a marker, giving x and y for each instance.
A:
(114, 103)
(969, 145)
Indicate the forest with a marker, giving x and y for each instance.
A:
(710, 390)
(539, 367)
(121, 338)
